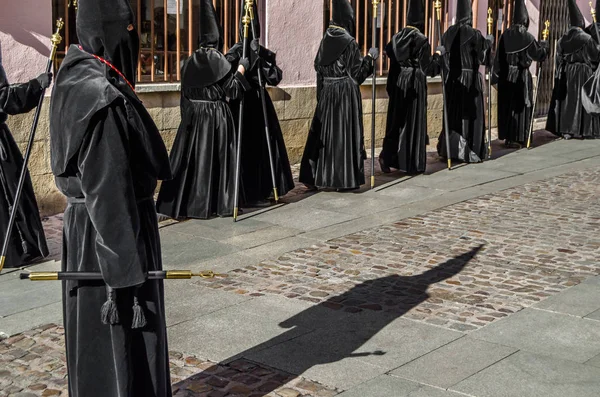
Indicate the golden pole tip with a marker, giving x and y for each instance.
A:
(449, 164)
(2, 261)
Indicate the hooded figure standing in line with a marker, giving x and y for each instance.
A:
(257, 185)
(517, 49)
(203, 154)
(409, 52)
(334, 154)
(577, 56)
(467, 50)
(107, 155)
(28, 241)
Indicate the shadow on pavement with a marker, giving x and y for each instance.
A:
(343, 330)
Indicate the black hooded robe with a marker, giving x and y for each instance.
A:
(405, 142)
(257, 184)
(576, 58)
(107, 155)
(467, 50)
(203, 154)
(517, 49)
(28, 241)
(335, 151)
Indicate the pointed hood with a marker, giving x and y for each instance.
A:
(107, 28)
(520, 14)
(415, 15)
(255, 24)
(575, 17)
(3, 79)
(210, 30)
(343, 15)
(464, 12)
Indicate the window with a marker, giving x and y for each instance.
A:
(168, 33)
(391, 18)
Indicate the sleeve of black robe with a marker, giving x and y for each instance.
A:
(538, 51)
(234, 85)
(20, 98)
(392, 78)
(271, 72)
(360, 68)
(107, 185)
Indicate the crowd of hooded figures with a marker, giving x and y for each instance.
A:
(107, 154)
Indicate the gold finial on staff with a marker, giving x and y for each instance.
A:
(593, 11)
(248, 9)
(56, 38)
(73, 3)
(375, 5)
(546, 31)
(490, 20)
(437, 4)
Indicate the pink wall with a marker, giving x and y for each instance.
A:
(25, 30)
(295, 30)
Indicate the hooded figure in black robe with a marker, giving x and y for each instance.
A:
(257, 185)
(577, 57)
(409, 52)
(335, 152)
(517, 49)
(467, 50)
(203, 154)
(107, 155)
(591, 30)
(28, 241)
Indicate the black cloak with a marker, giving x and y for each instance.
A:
(203, 154)
(28, 241)
(405, 143)
(334, 154)
(107, 155)
(256, 170)
(466, 51)
(577, 57)
(517, 49)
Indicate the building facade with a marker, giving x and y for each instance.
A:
(292, 28)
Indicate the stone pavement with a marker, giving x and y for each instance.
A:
(481, 281)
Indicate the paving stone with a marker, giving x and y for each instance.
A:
(181, 250)
(580, 300)
(388, 386)
(262, 236)
(304, 218)
(453, 362)
(594, 316)
(595, 361)
(532, 375)
(556, 335)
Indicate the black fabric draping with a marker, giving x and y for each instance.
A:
(466, 50)
(517, 49)
(107, 155)
(203, 154)
(576, 58)
(334, 154)
(405, 143)
(257, 184)
(28, 241)
(334, 43)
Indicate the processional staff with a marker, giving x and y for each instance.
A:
(593, 12)
(374, 93)
(238, 164)
(490, 24)
(437, 4)
(56, 39)
(97, 276)
(255, 34)
(545, 34)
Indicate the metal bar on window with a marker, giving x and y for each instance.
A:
(67, 24)
(380, 21)
(226, 26)
(366, 27)
(139, 29)
(474, 9)
(427, 18)
(404, 7)
(237, 18)
(178, 31)
(190, 21)
(389, 35)
(152, 40)
(166, 40)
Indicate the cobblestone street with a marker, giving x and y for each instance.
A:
(479, 297)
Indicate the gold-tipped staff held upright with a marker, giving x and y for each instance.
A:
(374, 93)
(437, 4)
(56, 39)
(238, 161)
(593, 12)
(97, 276)
(490, 24)
(545, 34)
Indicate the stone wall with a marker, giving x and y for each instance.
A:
(294, 105)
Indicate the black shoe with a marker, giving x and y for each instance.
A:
(384, 168)
(259, 204)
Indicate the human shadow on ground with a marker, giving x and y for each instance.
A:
(333, 330)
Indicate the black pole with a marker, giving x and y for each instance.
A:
(438, 6)
(97, 276)
(545, 34)
(56, 39)
(490, 68)
(238, 164)
(266, 118)
(374, 95)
